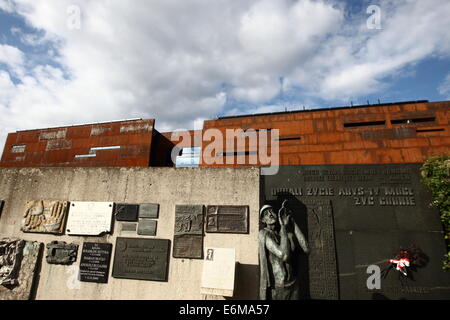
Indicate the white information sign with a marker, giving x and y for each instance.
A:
(89, 218)
(219, 267)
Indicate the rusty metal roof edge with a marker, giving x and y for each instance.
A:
(324, 109)
(85, 124)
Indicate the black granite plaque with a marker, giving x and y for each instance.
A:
(141, 259)
(95, 259)
(188, 239)
(149, 210)
(126, 212)
(147, 227)
(376, 209)
(1, 207)
(227, 219)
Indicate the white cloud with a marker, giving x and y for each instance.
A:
(178, 61)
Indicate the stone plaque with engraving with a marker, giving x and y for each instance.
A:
(148, 210)
(89, 218)
(227, 219)
(188, 239)
(95, 260)
(141, 259)
(126, 212)
(42, 216)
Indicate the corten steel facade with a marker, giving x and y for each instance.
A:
(111, 144)
(377, 134)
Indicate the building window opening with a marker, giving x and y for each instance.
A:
(18, 148)
(364, 124)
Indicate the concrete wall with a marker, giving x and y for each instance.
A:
(166, 186)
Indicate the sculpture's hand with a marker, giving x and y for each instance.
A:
(56, 216)
(283, 217)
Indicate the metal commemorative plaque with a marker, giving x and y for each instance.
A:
(227, 219)
(126, 212)
(95, 259)
(188, 246)
(189, 219)
(188, 239)
(148, 210)
(147, 227)
(141, 259)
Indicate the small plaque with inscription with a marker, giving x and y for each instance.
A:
(188, 239)
(188, 246)
(141, 259)
(95, 259)
(148, 210)
(146, 227)
(126, 212)
(227, 219)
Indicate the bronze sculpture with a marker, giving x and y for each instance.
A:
(278, 242)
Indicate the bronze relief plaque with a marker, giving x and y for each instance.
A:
(44, 216)
(227, 219)
(188, 239)
(141, 259)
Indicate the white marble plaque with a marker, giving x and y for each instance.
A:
(89, 218)
(219, 267)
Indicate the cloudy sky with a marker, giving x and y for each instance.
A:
(64, 62)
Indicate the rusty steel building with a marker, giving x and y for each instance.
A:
(406, 132)
(128, 143)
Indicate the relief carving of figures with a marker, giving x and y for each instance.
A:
(278, 243)
(45, 216)
(10, 261)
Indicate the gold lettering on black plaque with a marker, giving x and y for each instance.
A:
(188, 239)
(227, 219)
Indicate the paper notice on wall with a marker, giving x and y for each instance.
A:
(218, 274)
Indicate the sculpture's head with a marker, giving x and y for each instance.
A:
(268, 215)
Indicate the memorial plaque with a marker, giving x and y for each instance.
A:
(59, 252)
(147, 227)
(89, 218)
(141, 259)
(218, 272)
(126, 212)
(42, 216)
(375, 210)
(128, 227)
(94, 264)
(1, 206)
(188, 246)
(149, 210)
(189, 219)
(188, 239)
(18, 263)
(227, 219)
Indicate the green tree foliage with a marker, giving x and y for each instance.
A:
(436, 176)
